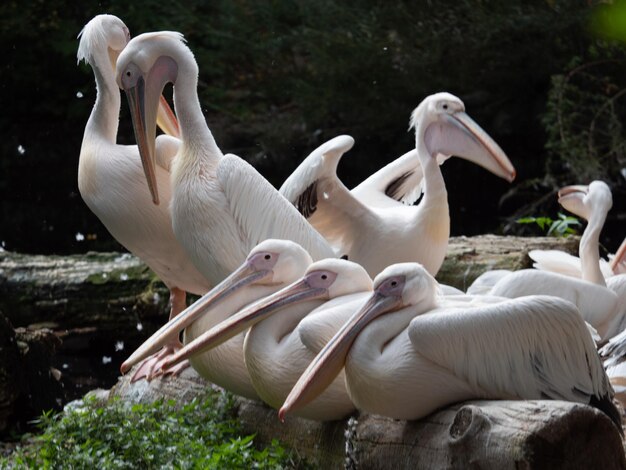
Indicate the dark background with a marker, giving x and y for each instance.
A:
(278, 78)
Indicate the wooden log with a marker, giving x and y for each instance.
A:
(478, 434)
(108, 290)
(469, 257)
(114, 290)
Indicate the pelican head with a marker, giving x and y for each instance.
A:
(105, 33)
(324, 280)
(396, 287)
(271, 263)
(584, 201)
(145, 66)
(443, 128)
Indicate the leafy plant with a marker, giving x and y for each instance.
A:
(554, 227)
(201, 434)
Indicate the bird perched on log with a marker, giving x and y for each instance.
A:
(407, 354)
(111, 181)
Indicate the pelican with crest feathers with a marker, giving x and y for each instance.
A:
(111, 181)
(288, 328)
(376, 224)
(406, 353)
(221, 206)
(602, 303)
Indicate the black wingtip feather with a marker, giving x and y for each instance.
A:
(606, 405)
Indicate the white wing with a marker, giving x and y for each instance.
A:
(262, 213)
(614, 352)
(597, 304)
(533, 347)
(398, 183)
(485, 282)
(557, 261)
(321, 197)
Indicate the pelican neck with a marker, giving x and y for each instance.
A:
(433, 183)
(193, 128)
(104, 118)
(588, 250)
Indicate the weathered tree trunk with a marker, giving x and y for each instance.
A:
(113, 290)
(469, 257)
(109, 290)
(478, 434)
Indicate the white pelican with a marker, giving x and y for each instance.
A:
(376, 224)
(221, 206)
(287, 329)
(614, 354)
(111, 181)
(591, 203)
(405, 358)
(602, 305)
(270, 266)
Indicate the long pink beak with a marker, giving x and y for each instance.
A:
(332, 358)
(243, 276)
(297, 292)
(458, 134)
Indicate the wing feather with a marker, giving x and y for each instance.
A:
(534, 347)
(320, 196)
(261, 212)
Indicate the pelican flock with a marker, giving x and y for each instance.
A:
(290, 323)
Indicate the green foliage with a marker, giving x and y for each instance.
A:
(585, 111)
(201, 434)
(609, 20)
(560, 227)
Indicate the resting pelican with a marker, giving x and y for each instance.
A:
(270, 266)
(591, 203)
(286, 331)
(614, 353)
(221, 206)
(602, 305)
(371, 224)
(111, 181)
(405, 358)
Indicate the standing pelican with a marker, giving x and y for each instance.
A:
(591, 203)
(286, 331)
(405, 358)
(376, 224)
(111, 181)
(604, 307)
(221, 206)
(270, 266)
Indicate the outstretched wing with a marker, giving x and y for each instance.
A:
(320, 196)
(533, 347)
(399, 182)
(262, 213)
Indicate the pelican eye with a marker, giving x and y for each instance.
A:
(128, 73)
(394, 283)
(445, 106)
(267, 256)
(324, 276)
